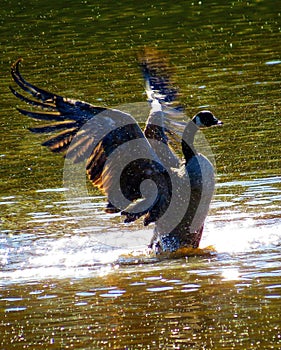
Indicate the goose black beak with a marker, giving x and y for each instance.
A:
(219, 122)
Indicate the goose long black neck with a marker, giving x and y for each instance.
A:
(188, 140)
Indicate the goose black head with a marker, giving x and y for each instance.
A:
(206, 119)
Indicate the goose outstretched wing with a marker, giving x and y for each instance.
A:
(158, 77)
(166, 109)
(116, 152)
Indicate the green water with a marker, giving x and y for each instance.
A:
(59, 288)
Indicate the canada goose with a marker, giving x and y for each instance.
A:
(178, 197)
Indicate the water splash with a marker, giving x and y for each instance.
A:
(29, 258)
(239, 223)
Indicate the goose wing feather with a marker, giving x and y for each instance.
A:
(92, 134)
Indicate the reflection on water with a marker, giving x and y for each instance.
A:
(98, 240)
(183, 304)
(74, 277)
(62, 289)
(70, 290)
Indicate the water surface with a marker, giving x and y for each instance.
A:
(74, 277)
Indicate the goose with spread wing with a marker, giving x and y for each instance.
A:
(152, 182)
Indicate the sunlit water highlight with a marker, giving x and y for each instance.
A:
(229, 229)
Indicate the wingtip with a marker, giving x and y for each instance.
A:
(15, 65)
(12, 89)
(22, 111)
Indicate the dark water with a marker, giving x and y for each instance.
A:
(74, 277)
